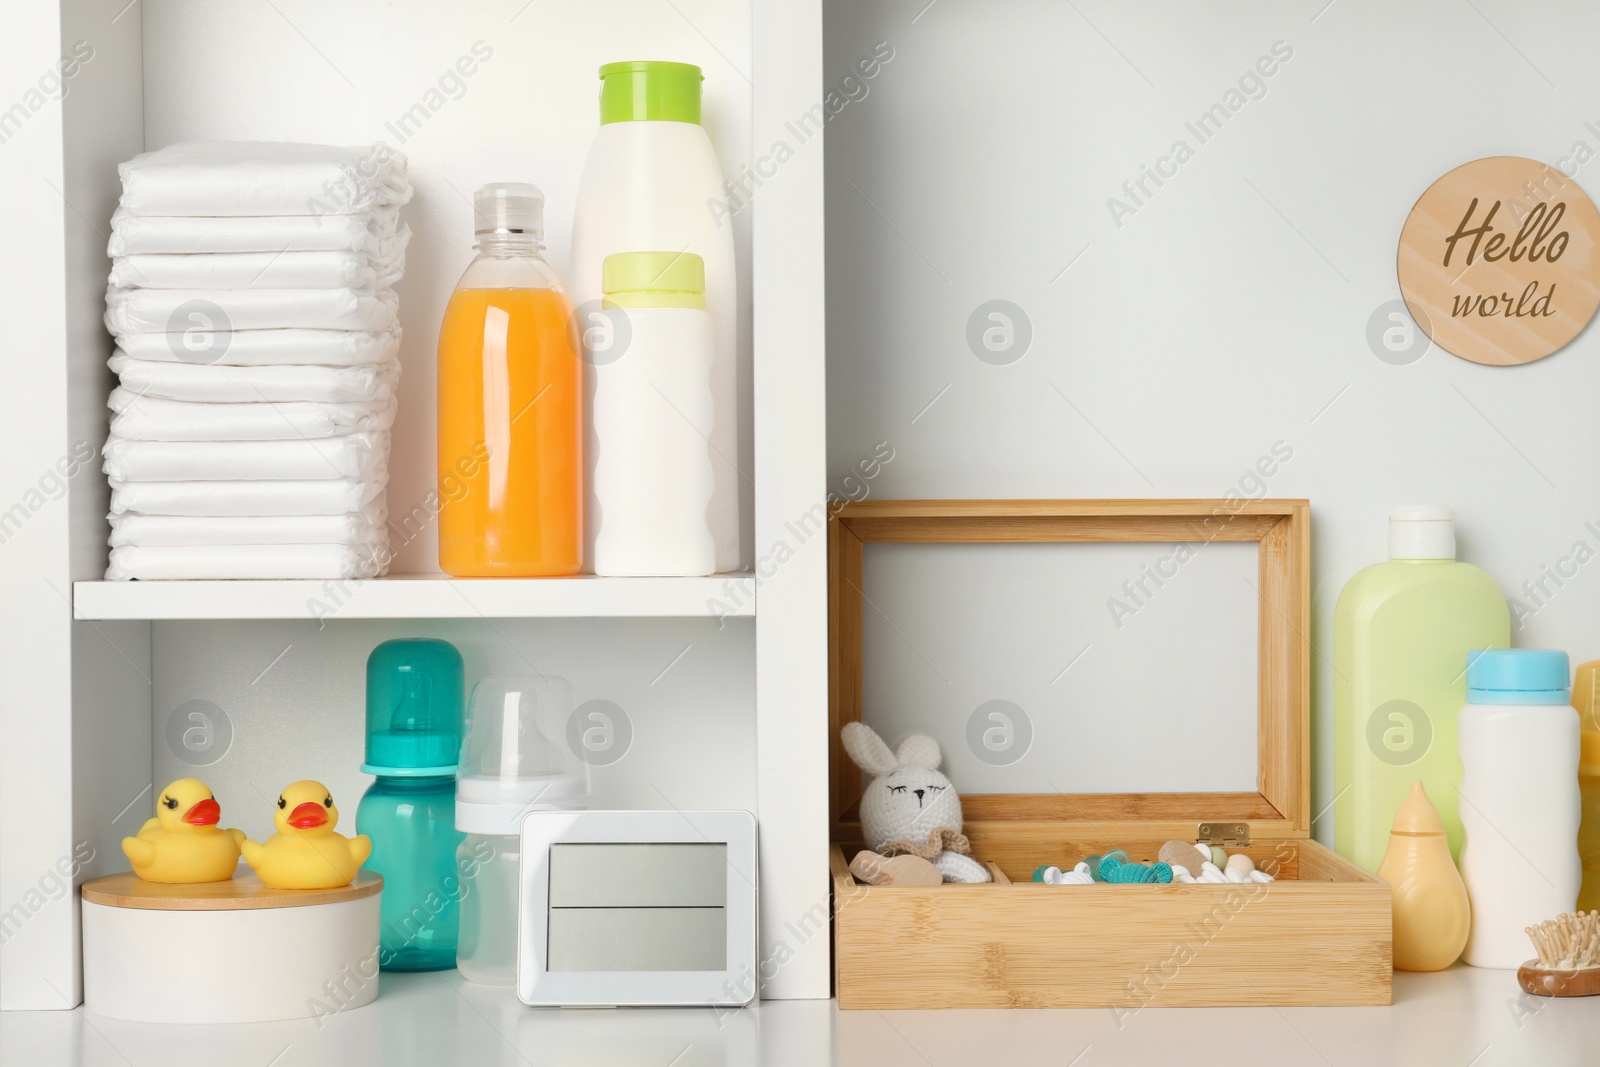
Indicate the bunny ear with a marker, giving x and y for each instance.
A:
(867, 749)
(919, 750)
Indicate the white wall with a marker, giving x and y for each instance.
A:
(1008, 656)
(1230, 310)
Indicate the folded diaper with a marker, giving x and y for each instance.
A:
(331, 269)
(372, 382)
(363, 528)
(154, 419)
(246, 561)
(333, 496)
(358, 455)
(379, 234)
(257, 348)
(214, 311)
(263, 178)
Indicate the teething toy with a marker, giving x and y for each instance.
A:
(1116, 870)
(1094, 863)
(873, 869)
(1176, 854)
(1079, 875)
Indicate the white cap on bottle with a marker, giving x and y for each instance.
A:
(509, 763)
(497, 805)
(1422, 531)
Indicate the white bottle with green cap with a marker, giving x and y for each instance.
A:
(652, 183)
(654, 420)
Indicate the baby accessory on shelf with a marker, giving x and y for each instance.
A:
(909, 808)
(251, 297)
(1569, 956)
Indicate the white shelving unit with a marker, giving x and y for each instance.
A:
(1180, 342)
(423, 596)
(724, 713)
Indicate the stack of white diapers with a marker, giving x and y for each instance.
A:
(253, 307)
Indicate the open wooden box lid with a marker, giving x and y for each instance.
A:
(1280, 807)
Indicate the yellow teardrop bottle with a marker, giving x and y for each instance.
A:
(1432, 916)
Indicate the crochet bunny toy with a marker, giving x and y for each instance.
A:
(909, 808)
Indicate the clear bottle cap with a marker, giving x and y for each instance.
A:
(511, 762)
(509, 208)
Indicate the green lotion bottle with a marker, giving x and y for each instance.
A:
(1402, 632)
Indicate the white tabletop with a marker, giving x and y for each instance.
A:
(1458, 1018)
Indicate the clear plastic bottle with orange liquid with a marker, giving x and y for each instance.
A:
(510, 404)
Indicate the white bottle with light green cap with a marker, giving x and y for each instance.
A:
(654, 419)
(652, 182)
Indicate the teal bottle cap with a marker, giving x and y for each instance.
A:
(415, 697)
(1518, 676)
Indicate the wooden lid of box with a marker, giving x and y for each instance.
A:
(240, 893)
(1281, 806)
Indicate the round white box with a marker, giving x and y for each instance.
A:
(228, 952)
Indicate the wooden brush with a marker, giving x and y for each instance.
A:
(1569, 957)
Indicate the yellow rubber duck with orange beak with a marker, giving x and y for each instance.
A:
(183, 843)
(306, 852)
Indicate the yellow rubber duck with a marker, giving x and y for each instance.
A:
(183, 843)
(306, 853)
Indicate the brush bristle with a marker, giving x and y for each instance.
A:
(1567, 942)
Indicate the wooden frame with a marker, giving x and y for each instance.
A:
(1282, 528)
(1320, 935)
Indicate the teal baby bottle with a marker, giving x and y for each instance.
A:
(415, 696)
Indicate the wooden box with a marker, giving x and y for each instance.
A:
(1318, 935)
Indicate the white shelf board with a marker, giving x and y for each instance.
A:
(420, 597)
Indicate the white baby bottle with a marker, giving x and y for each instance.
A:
(510, 765)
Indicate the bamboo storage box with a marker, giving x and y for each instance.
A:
(1319, 935)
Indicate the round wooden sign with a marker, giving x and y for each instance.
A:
(1500, 261)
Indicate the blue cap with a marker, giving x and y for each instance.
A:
(1518, 676)
(415, 697)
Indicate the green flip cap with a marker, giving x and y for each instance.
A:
(653, 280)
(649, 90)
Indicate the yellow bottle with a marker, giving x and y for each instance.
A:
(1432, 916)
(1585, 687)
